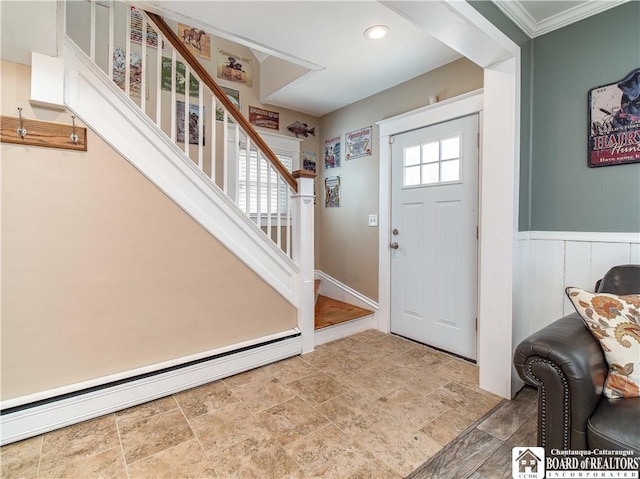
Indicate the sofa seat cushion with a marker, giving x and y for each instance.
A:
(614, 425)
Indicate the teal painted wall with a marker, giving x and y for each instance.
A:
(558, 191)
(495, 16)
(567, 195)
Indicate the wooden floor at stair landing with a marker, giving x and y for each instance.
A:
(330, 312)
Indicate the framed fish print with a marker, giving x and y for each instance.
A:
(614, 122)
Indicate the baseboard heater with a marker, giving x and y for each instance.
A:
(37, 416)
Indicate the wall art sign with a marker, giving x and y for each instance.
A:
(196, 40)
(234, 97)
(357, 143)
(136, 30)
(614, 122)
(165, 79)
(309, 161)
(332, 192)
(135, 71)
(264, 118)
(234, 67)
(192, 124)
(332, 153)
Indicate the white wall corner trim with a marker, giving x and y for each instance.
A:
(483, 43)
(118, 120)
(48, 416)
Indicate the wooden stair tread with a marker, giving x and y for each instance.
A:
(330, 312)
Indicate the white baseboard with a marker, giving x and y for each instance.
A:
(42, 418)
(342, 330)
(333, 288)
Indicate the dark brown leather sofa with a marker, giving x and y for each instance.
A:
(567, 365)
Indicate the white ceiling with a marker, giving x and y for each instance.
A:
(326, 37)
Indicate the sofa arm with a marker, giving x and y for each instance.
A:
(566, 363)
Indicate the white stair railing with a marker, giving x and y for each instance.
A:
(145, 58)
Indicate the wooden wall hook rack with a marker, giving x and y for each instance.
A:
(42, 133)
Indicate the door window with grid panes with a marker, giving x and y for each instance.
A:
(432, 163)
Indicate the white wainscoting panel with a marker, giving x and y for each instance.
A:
(548, 281)
(550, 261)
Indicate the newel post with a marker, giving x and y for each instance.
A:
(303, 255)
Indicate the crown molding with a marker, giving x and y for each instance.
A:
(516, 12)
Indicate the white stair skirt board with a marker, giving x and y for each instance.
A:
(103, 107)
(342, 330)
(332, 288)
(47, 416)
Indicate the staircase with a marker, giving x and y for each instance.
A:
(198, 149)
(202, 152)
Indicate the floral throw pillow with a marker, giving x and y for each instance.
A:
(615, 323)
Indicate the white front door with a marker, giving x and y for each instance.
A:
(434, 218)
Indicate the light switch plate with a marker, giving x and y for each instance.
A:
(373, 220)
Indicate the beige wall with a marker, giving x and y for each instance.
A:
(347, 249)
(102, 273)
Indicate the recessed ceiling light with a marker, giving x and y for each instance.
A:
(376, 32)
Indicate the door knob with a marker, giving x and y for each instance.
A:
(394, 245)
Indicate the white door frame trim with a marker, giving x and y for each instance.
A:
(483, 43)
(463, 105)
(448, 110)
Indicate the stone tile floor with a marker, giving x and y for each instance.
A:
(370, 405)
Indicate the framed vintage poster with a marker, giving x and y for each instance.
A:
(357, 143)
(264, 118)
(165, 79)
(135, 71)
(309, 161)
(614, 122)
(234, 97)
(196, 40)
(332, 153)
(136, 30)
(232, 67)
(193, 122)
(332, 192)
